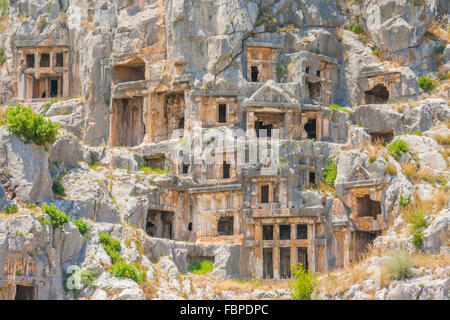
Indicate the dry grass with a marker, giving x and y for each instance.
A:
(2, 117)
(439, 31)
(443, 140)
(149, 289)
(236, 286)
(391, 169)
(4, 215)
(446, 155)
(374, 149)
(4, 23)
(414, 174)
(409, 169)
(430, 206)
(339, 33)
(333, 284)
(428, 261)
(323, 187)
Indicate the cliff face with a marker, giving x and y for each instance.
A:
(132, 81)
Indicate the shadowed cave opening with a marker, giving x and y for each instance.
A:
(160, 224)
(285, 263)
(378, 94)
(225, 226)
(25, 292)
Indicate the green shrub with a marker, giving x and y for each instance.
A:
(427, 83)
(330, 173)
(88, 277)
(124, 270)
(33, 127)
(111, 246)
(58, 188)
(398, 148)
(58, 218)
(404, 201)
(46, 106)
(119, 268)
(82, 226)
(418, 223)
(94, 165)
(375, 51)
(398, 265)
(303, 283)
(268, 20)
(12, 209)
(2, 56)
(282, 70)
(151, 170)
(201, 267)
(4, 6)
(356, 28)
(338, 108)
(441, 48)
(41, 23)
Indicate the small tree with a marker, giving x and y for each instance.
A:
(330, 173)
(303, 283)
(427, 83)
(418, 224)
(398, 148)
(32, 127)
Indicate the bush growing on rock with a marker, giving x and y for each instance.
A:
(88, 277)
(303, 282)
(330, 173)
(338, 108)
(121, 269)
(58, 218)
(356, 28)
(427, 83)
(12, 209)
(398, 148)
(403, 201)
(201, 267)
(151, 170)
(82, 226)
(282, 70)
(58, 188)
(399, 265)
(418, 223)
(32, 127)
(111, 246)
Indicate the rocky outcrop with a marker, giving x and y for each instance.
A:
(395, 25)
(24, 169)
(436, 235)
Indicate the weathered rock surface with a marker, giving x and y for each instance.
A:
(24, 169)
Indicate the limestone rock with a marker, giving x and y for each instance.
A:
(26, 169)
(71, 244)
(169, 267)
(396, 25)
(66, 151)
(437, 233)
